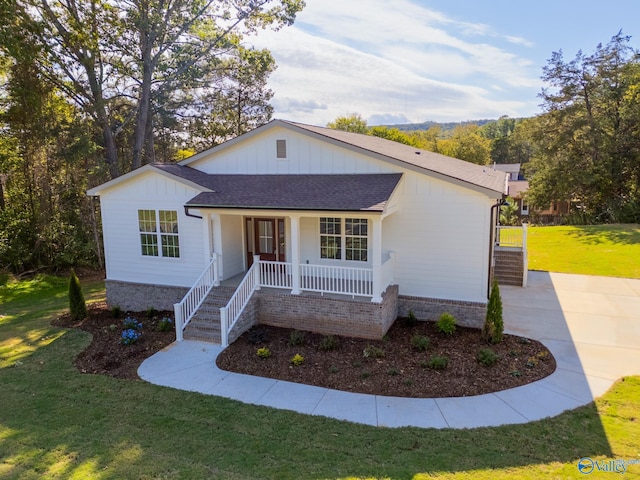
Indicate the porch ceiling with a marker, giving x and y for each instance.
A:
(355, 192)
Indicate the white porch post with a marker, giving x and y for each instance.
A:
(295, 255)
(376, 253)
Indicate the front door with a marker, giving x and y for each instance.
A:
(269, 238)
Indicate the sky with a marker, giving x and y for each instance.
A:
(410, 61)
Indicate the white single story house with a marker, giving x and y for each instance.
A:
(306, 227)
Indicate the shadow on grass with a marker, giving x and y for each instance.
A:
(617, 234)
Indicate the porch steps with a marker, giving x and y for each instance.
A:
(509, 266)
(205, 324)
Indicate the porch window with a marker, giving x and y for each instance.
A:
(331, 238)
(349, 235)
(159, 233)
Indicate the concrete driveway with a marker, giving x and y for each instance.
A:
(590, 324)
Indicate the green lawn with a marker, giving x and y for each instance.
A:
(610, 250)
(58, 423)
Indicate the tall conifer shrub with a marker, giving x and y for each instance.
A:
(77, 305)
(493, 324)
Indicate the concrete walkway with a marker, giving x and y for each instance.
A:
(590, 324)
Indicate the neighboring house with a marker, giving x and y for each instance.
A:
(348, 231)
(517, 191)
(511, 169)
(518, 186)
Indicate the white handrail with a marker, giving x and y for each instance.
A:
(276, 274)
(332, 279)
(230, 313)
(188, 306)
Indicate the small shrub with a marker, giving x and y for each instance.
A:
(113, 327)
(493, 327)
(77, 305)
(393, 371)
(411, 320)
(438, 363)
(515, 353)
(356, 363)
(116, 311)
(532, 362)
(446, 324)
(151, 312)
(408, 382)
(515, 373)
(524, 341)
(263, 352)
(487, 357)
(165, 324)
(130, 336)
(420, 342)
(257, 335)
(328, 342)
(372, 351)
(297, 359)
(424, 363)
(364, 375)
(333, 369)
(296, 338)
(543, 355)
(131, 323)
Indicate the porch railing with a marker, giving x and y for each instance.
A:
(275, 274)
(344, 280)
(230, 313)
(188, 306)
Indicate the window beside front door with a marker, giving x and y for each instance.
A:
(344, 238)
(159, 233)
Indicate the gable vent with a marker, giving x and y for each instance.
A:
(281, 149)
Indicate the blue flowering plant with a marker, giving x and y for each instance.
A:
(131, 323)
(130, 336)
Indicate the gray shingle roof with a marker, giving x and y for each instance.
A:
(478, 175)
(355, 192)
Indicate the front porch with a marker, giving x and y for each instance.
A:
(330, 300)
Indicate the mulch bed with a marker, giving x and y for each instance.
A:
(106, 355)
(401, 371)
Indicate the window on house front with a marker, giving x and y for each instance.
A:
(349, 235)
(159, 233)
(330, 238)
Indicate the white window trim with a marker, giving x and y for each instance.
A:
(158, 234)
(343, 240)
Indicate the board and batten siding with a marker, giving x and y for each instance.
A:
(123, 254)
(305, 155)
(440, 234)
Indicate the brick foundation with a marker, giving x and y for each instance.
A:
(468, 314)
(248, 319)
(328, 315)
(138, 297)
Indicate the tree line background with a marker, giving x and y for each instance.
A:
(91, 89)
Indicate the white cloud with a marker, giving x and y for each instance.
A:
(407, 62)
